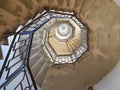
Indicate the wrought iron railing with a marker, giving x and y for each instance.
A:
(15, 73)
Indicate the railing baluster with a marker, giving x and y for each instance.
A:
(16, 74)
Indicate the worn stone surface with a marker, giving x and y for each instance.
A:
(102, 18)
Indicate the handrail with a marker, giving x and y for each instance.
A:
(15, 71)
(19, 70)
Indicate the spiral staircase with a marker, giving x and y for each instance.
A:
(31, 44)
(33, 41)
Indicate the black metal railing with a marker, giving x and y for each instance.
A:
(15, 73)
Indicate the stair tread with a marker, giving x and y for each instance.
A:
(39, 14)
(72, 46)
(32, 61)
(35, 69)
(29, 21)
(36, 47)
(19, 28)
(41, 75)
(69, 47)
(33, 51)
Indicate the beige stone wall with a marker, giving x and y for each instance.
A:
(103, 19)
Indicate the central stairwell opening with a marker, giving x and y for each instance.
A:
(46, 45)
(40, 44)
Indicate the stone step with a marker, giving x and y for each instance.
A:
(19, 28)
(29, 21)
(74, 42)
(71, 45)
(35, 43)
(36, 34)
(41, 75)
(77, 37)
(34, 58)
(64, 12)
(37, 66)
(33, 51)
(38, 46)
(39, 14)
